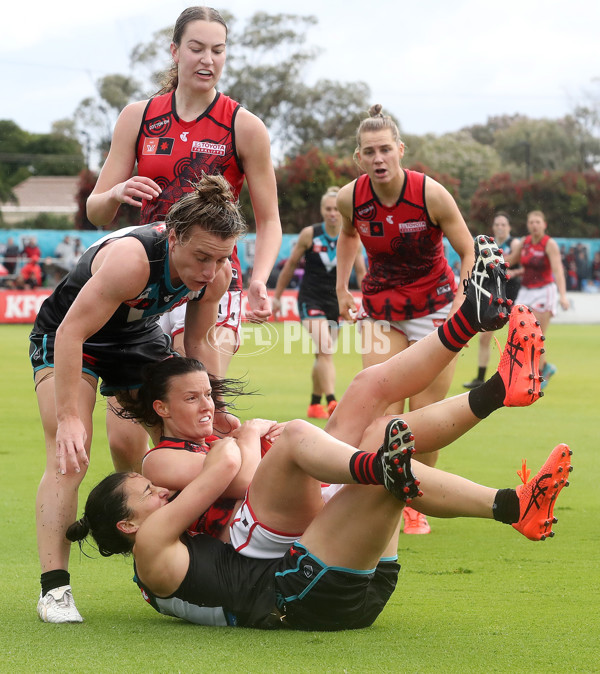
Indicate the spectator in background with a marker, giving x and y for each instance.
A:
(31, 248)
(78, 249)
(30, 276)
(11, 255)
(582, 264)
(65, 255)
(596, 268)
(572, 278)
(3, 276)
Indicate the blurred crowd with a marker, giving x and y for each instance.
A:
(581, 273)
(22, 266)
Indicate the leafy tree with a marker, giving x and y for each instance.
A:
(326, 115)
(24, 154)
(54, 155)
(47, 221)
(570, 201)
(485, 133)
(12, 169)
(457, 155)
(540, 145)
(303, 179)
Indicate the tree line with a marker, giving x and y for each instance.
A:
(511, 163)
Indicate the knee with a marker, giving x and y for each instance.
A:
(294, 431)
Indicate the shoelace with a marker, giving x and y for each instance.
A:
(524, 473)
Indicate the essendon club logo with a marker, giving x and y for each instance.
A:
(157, 146)
(204, 147)
(370, 228)
(366, 211)
(158, 126)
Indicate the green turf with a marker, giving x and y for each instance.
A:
(473, 595)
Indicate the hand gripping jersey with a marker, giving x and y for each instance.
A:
(175, 154)
(214, 520)
(320, 266)
(408, 275)
(537, 271)
(135, 318)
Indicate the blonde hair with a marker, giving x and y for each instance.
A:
(331, 192)
(377, 121)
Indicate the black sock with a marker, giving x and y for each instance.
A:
(506, 506)
(52, 579)
(458, 329)
(481, 373)
(315, 399)
(330, 397)
(488, 397)
(366, 468)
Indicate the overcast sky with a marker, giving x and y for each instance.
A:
(437, 65)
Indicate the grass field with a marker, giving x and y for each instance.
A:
(473, 596)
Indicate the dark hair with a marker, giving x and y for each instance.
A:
(105, 506)
(211, 206)
(156, 379)
(501, 214)
(171, 79)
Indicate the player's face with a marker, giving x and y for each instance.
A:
(144, 498)
(201, 55)
(189, 409)
(501, 229)
(380, 155)
(329, 212)
(536, 226)
(196, 262)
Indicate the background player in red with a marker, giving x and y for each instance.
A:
(401, 217)
(543, 277)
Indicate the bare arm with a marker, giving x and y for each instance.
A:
(360, 268)
(200, 320)
(115, 185)
(513, 258)
(120, 272)
(348, 247)
(285, 276)
(171, 468)
(445, 213)
(553, 253)
(162, 560)
(248, 437)
(254, 148)
(175, 469)
(514, 268)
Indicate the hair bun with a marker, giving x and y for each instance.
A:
(375, 110)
